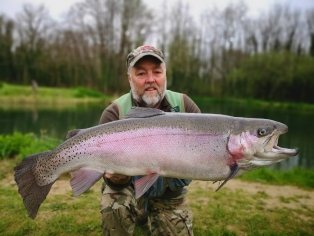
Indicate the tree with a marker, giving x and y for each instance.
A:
(183, 64)
(110, 28)
(7, 72)
(33, 25)
(310, 25)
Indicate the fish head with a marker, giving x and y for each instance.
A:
(254, 143)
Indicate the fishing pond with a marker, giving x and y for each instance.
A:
(54, 122)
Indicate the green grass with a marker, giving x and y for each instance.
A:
(238, 213)
(296, 177)
(13, 94)
(60, 215)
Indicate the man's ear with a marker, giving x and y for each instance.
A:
(129, 77)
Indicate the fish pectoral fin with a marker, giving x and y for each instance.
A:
(233, 172)
(143, 112)
(143, 184)
(83, 179)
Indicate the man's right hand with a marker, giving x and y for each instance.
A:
(117, 178)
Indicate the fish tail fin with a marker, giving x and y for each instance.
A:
(33, 194)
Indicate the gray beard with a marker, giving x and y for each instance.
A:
(150, 101)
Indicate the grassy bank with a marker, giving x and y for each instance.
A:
(17, 94)
(226, 212)
(295, 177)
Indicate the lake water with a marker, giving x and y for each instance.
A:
(56, 121)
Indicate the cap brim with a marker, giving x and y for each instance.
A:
(132, 63)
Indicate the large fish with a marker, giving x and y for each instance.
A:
(153, 143)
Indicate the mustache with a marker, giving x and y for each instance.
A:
(153, 85)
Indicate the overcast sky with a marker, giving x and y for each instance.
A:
(58, 8)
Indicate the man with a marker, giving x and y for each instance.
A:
(164, 202)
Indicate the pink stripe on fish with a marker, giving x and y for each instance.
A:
(167, 147)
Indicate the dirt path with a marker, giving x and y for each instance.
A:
(277, 196)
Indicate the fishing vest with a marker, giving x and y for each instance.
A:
(175, 99)
(125, 102)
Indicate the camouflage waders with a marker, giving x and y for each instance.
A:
(120, 209)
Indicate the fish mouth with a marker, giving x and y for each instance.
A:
(285, 151)
(273, 151)
(267, 152)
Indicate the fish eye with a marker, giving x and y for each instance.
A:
(262, 132)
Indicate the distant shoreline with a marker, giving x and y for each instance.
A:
(21, 95)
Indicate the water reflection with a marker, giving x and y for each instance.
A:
(49, 120)
(56, 121)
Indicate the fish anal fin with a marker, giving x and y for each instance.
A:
(32, 193)
(143, 112)
(233, 172)
(83, 179)
(143, 184)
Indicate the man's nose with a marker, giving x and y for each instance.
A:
(150, 78)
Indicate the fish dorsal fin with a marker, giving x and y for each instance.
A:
(72, 133)
(143, 112)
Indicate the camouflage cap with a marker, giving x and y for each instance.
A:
(143, 51)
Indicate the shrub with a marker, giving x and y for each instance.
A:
(23, 145)
(37, 145)
(11, 145)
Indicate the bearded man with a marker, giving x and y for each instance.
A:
(164, 203)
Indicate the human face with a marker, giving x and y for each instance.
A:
(148, 81)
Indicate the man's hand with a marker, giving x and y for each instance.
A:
(117, 178)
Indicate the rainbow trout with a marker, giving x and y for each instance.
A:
(153, 143)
